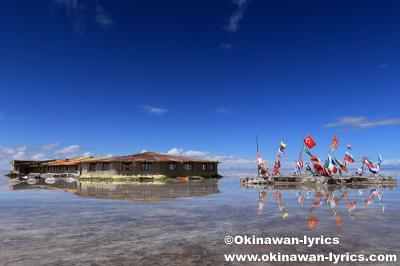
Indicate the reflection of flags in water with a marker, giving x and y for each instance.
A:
(312, 222)
(372, 196)
(335, 144)
(261, 201)
(300, 198)
(348, 157)
(351, 205)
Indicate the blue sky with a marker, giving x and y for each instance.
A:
(203, 77)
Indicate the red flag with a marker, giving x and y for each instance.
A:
(335, 143)
(309, 142)
(348, 157)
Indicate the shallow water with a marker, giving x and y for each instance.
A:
(185, 223)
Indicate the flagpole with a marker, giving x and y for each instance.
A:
(258, 167)
(301, 152)
(257, 142)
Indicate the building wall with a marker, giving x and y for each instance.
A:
(120, 168)
(157, 168)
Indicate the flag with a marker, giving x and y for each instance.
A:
(331, 165)
(348, 157)
(300, 163)
(341, 165)
(309, 142)
(308, 168)
(313, 158)
(318, 168)
(349, 147)
(326, 172)
(277, 167)
(344, 166)
(335, 144)
(262, 167)
(359, 171)
(374, 169)
(282, 147)
(367, 162)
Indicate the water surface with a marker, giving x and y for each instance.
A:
(182, 223)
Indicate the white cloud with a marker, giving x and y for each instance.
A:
(228, 161)
(226, 46)
(8, 150)
(223, 111)
(391, 161)
(68, 149)
(362, 122)
(49, 146)
(102, 17)
(24, 152)
(237, 15)
(18, 155)
(38, 156)
(88, 153)
(154, 110)
(191, 153)
(22, 148)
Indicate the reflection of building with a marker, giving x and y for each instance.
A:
(149, 192)
(142, 164)
(143, 191)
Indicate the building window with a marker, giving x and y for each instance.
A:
(76, 168)
(188, 167)
(59, 168)
(66, 168)
(126, 166)
(92, 167)
(172, 167)
(146, 166)
(204, 167)
(105, 166)
(212, 167)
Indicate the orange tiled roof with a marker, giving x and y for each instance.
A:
(72, 161)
